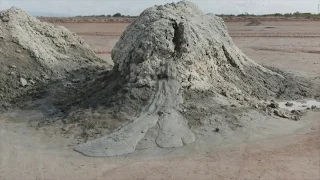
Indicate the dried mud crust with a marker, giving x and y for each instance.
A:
(175, 69)
(33, 53)
(16, 65)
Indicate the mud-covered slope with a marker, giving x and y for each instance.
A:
(173, 65)
(33, 53)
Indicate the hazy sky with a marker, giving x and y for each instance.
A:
(134, 7)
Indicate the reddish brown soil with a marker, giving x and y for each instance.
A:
(131, 19)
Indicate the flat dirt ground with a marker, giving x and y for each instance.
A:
(293, 46)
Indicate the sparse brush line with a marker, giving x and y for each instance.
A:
(231, 34)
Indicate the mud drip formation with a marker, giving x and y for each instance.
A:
(170, 52)
(174, 130)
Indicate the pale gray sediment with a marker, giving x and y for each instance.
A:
(173, 132)
(178, 59)
(33, 53)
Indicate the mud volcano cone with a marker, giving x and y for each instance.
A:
(33, 52)
(167, 58)
(254, 22)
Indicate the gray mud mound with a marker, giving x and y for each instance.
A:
(176, 70)
(33, 53)
(254, 22)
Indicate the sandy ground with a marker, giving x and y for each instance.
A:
(26, 153)
(293, 46)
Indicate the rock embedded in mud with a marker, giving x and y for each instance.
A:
(23, 82)
(289, 104)
(12, 73)
(45, 76)
(76, 80)
(274, 105)
(12, 66)
(297, 112)
(32, 82)
(281, 113)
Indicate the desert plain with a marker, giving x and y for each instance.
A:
(293, 46)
